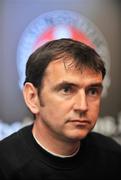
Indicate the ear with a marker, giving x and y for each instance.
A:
(31, 97)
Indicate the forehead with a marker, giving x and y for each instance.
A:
(60, 70)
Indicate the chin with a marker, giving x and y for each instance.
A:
(78, 136)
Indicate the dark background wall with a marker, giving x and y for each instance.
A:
(15, 16)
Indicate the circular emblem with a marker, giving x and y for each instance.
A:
(61, 24)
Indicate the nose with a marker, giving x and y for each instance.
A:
(81, 103)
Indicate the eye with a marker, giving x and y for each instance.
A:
(67, 89)
(94, 91)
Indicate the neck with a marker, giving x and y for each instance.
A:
(54, 146)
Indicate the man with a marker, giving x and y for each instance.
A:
(63, 87)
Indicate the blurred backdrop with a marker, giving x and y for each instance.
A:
(16, 18)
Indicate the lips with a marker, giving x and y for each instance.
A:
(81, 122)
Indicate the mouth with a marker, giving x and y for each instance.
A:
(80, 122)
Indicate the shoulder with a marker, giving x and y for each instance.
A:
(103, 142)
(14, 151)
(14, 138)
(13, 143)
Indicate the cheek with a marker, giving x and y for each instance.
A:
(55, 105)
(52, 109)
(94, 109)
(52, 117)
(57, 111)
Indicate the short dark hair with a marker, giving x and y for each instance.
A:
(82, 55)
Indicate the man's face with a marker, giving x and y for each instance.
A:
(69, 101)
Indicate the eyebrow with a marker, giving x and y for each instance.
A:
(67, 83)
(64, 83)
(96, 85)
